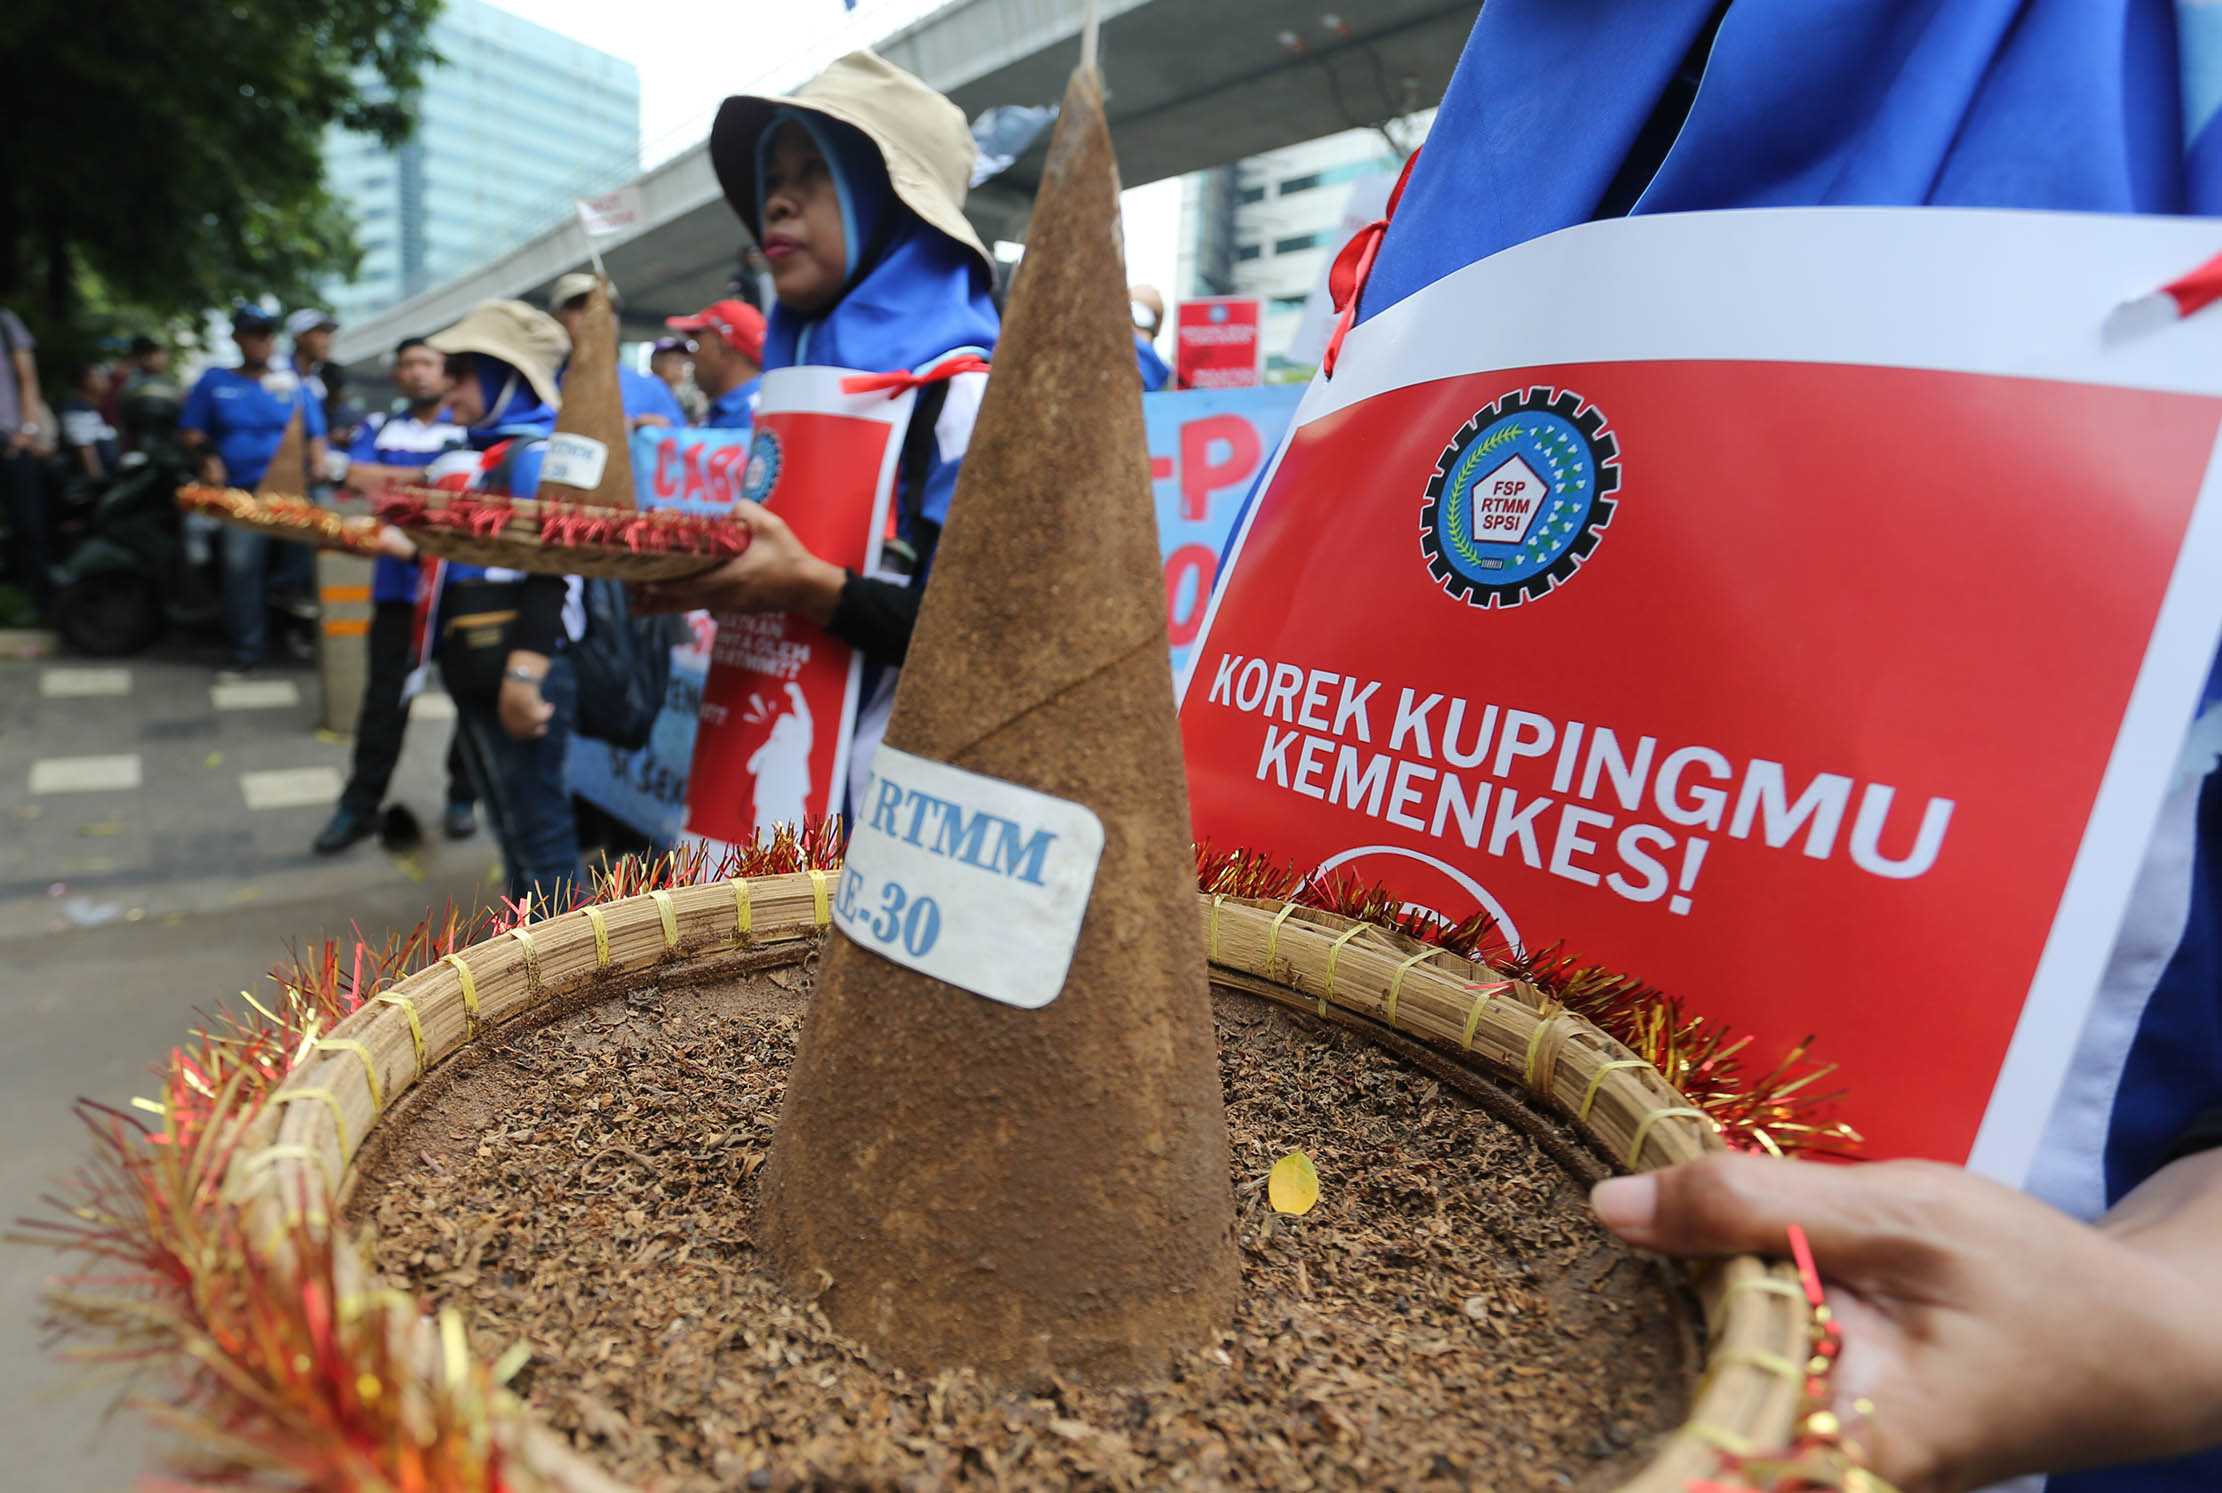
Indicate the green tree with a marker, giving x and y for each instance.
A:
(166, 156)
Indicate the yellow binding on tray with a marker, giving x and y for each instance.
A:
(470, 993)
(330, 1101)
(416, 1027)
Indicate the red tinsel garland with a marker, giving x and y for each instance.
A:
(652, 531)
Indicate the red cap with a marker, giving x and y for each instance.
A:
(739, 323)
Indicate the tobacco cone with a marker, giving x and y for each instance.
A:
(594, 406)
(287, 476)
(958, 1182)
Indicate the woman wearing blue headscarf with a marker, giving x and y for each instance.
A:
(502, 634)
(854, 188)
(1990, 1333)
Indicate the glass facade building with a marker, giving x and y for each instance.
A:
(1268, 225)
(515, 122)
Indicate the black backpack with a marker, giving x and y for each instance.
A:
(623, 666)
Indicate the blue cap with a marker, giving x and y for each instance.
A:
(253, 319)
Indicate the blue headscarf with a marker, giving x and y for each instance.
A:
(513, 408)
(910, 293)
(1566, 110)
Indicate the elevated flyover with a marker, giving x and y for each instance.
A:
(1189, 84)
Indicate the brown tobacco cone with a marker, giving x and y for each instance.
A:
(287, 476)
(962, 1183)
(594, 407)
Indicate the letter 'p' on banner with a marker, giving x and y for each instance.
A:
(1800, 611)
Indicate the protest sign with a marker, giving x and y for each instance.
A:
(1798, 610)
(1206, 449)
(612, 213)
(779, 703)
(1216, 343)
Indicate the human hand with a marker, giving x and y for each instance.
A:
(644, 422)
(391, 541)
(1993, 1335)
(776, 573)
(524, 713)
(212, 470)
(19, 442)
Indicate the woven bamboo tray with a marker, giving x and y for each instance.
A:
(291, 1168)
(296, 520)
(550, 538)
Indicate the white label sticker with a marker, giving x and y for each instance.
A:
(975, 881)
(574, 460)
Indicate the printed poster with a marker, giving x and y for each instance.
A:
(1216, 342)
(1798, 610)
(779, 701)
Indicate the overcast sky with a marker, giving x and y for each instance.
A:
(691, 55)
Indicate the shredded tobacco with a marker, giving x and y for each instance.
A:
(1448, 1315)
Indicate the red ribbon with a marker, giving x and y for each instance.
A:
(896, 382)
(2201, 287)
(1347, 280)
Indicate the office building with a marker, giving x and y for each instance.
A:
(515, 122)
(1269, 225)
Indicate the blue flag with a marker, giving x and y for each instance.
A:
(1566, 110)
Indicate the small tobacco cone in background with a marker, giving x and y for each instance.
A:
(287, 476)
(960, 1183)
(593, 408)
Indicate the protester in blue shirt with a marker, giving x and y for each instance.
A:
(648, 400)
(1996, 1334)
(235, 418)
(726, 340)
(389, 448)
(1147, 306)
(516, 696)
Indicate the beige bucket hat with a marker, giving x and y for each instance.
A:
(530, 341)
(921, 136)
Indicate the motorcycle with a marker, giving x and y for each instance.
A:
(139, 569)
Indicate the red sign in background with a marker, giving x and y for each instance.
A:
(1936, 587)
(1215, 342)
(778, 696)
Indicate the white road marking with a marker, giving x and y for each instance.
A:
(290, 787)
(62, 683)
(255, 694)
(432, 706)
(85, 774)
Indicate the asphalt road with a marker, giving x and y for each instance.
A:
(154, 858)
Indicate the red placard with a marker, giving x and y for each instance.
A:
(1834, 695)
(1216, 342)
(779, 702)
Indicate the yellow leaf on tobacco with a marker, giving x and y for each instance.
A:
(1293, 1186)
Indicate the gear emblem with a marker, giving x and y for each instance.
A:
(1520, 497)
(761, 473)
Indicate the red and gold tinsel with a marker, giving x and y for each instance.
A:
(283, 517)
(644, 531)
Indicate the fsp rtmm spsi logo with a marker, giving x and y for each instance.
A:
(1519, 496)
